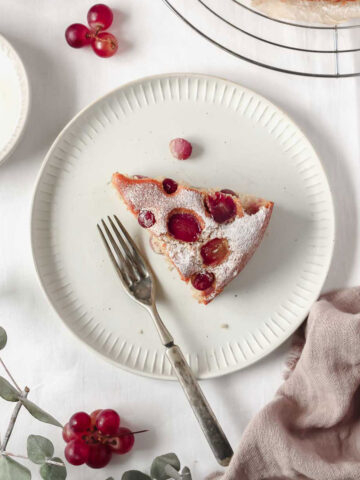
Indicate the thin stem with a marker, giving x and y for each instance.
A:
(50, 462)
(9, 374)
(8, 454)
(13, 418)
(132, 433)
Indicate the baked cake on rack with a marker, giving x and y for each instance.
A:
(313, 11)
(208, 235)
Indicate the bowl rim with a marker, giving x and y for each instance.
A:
(24, 85)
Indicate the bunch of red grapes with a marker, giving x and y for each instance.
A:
(92, 439)
(103, 43)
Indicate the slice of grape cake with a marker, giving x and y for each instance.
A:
(208, 235)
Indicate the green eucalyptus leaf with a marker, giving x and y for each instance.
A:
(158, 466)
(172, 473)
(39, 414)
(135, 475)
(3, 338)
(48, 471)
(39, 449)
(7, 391)
(11, 470)
(186, 474)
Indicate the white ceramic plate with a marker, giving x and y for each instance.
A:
(14, 98)
(241, 141)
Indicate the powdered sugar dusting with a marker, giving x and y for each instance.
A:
(149, 196)
(243, 233)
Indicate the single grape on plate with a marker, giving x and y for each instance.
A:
(180, 148)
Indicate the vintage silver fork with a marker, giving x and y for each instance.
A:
(139, 283)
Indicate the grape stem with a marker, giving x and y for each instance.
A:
(13, 418)
(132, 433)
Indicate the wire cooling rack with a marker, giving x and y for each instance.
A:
(284, 46)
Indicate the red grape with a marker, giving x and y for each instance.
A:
(252, 208)
(180, 148)
(99, 455)
(77, 35)
(169, 185)
(125, 441)
(94, 415)
(146, 218)
(184, 226)
(69, 434)
(214, 251)
(100, 17)
(77, 452)
(80, 422)
(221, 206)
(108, 422)
(203, 281)
(104, 44)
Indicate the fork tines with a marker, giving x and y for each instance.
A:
(123, 251)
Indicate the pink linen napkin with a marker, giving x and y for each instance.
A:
(311, 430)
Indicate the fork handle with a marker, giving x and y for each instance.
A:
(203, 412)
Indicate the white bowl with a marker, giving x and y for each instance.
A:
(14, 99)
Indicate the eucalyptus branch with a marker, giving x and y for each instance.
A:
(40, 450)
(9, 454)
(9, 375)
(13, 418)
(49, 462)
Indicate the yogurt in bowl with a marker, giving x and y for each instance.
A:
(14, 98)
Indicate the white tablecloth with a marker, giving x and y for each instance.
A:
(64, 376)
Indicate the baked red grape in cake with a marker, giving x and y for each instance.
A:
(208, 235)
(314, 11)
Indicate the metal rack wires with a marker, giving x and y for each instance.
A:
(284, 46)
